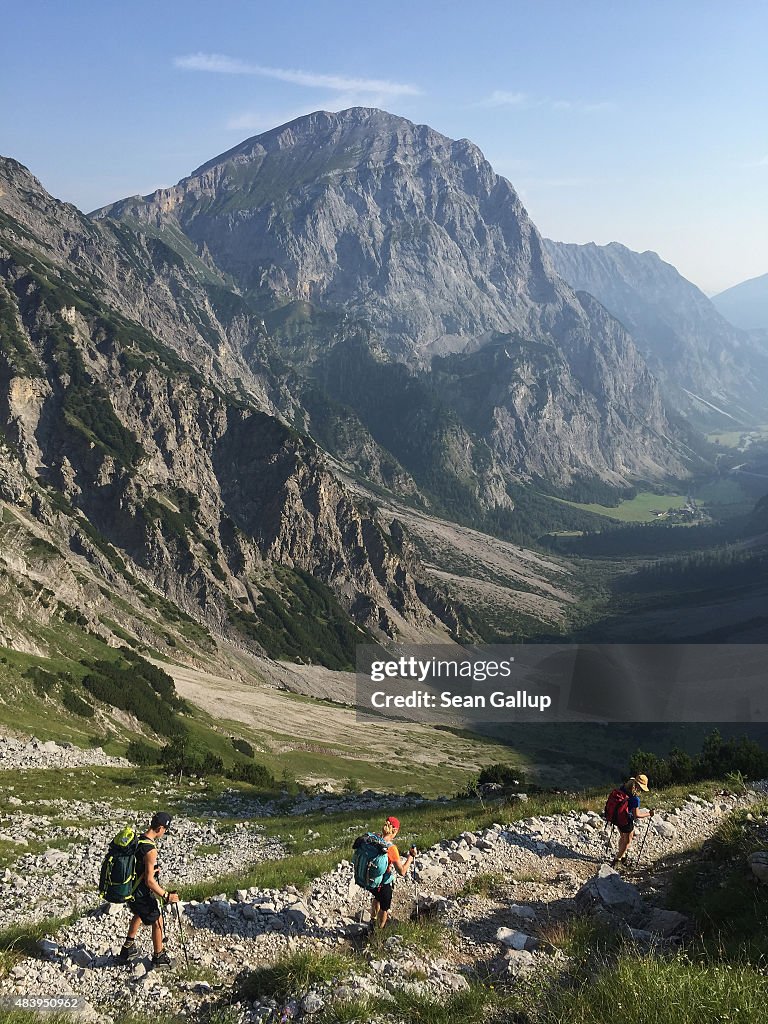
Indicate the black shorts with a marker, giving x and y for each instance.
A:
(146, 907)
(383, 895)
(627, 829)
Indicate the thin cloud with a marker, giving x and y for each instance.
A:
(217, 63)
(523, 101)
(500, 98)
(262, 121)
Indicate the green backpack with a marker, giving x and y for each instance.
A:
(118, 879)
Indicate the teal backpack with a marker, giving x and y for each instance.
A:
(370, 860)
(118, 879)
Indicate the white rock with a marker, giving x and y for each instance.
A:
(512, 938)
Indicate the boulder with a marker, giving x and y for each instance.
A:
(516, 940)
(607, 889)
(666, 922)
(519, 961)
(758, 863)
(312, 1003)
(665, 829)
(81, 957)
(297, 916)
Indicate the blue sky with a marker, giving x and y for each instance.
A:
(641, 123)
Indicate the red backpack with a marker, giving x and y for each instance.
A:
(617, 809)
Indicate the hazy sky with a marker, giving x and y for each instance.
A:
(644, 123)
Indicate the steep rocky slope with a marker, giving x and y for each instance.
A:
(135, 438)
(365, 216)
(710, 371)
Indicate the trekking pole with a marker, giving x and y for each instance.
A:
(642, 846)
(181, 934)
(414, 851)
(608, 839)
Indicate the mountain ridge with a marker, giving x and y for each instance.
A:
(421, 239)
(702, 361)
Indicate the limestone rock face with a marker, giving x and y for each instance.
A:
(373, 218)
(131, 422)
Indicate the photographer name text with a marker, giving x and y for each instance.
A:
(448, 699)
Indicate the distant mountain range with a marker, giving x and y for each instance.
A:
(202, 390)
(745, 304)
(710, 371)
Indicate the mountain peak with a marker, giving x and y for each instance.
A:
(363, 132)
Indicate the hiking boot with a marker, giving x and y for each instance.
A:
(161, 960)
(128, 953)
(619, 862)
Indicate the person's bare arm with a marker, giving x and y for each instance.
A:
(150, 863)
(402, 866)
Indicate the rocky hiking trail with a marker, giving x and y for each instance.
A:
(489, 903)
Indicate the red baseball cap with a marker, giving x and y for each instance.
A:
(393, 822)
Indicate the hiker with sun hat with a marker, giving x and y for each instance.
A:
(622, 809)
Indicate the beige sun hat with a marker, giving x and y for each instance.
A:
(642, 781)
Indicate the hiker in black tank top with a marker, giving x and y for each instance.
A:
(144, 902)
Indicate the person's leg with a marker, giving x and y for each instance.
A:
(625, 838)
(157, 936)
(385, 902)
(130, 951)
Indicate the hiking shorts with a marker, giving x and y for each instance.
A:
(383, 895)
(627, 829)
(146, 907)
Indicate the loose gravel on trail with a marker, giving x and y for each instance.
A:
(549, 869)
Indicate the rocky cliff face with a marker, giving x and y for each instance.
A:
(710, 371)
(368, 211)
(381, 220)
(148, 449)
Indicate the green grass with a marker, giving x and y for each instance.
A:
(31, 1017)
(349, 1011)
(426, 935)
(488, 884)
(579, 936)
(479, 1004)
(295, 973)
(20, 941)
(730, 909)
(272, 874)
(637, 509)
(653, 990)
(736, 438)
